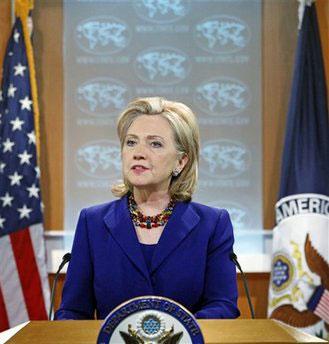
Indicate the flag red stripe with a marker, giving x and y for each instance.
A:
(4, 323)
(323, 315)
(28, 274)
(322, 309)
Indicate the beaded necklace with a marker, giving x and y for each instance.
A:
(149, 222)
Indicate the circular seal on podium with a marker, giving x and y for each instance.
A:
(150, 319)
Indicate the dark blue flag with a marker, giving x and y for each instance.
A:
(305, 161)
(20, 204)
(299, 288)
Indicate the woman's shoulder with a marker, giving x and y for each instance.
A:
(102, 208)
(203, 209)
(215, 219)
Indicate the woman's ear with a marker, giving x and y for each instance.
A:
(181, 163)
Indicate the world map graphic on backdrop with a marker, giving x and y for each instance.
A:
(162, 66)
(203, 53)
(161, 12)
(224, 158)
(222, 96)
(102, 96)
(222, 34)
(99, 159)
(102, 35)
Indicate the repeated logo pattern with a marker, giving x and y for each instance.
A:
(102, 96)
(222, 34)
(162, 65)
(102, 35)
(191, 51)
(224, 158)
(222, 96)
(99, 159)
(161, 11)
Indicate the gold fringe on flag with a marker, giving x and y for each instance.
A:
(22, 9)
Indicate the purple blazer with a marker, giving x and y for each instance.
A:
(190, 265)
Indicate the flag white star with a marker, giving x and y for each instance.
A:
(15, 179)
(25, 158)
(19, 69)
(24, 212)
(10, 53)
(2, 166)
(8, 146)
(2, 220)
(37, 170)
(33, 191)
(11, 90)
(17, 124)
(26, 103)
(6, 200)
(16, 36)
(1, 98)
(31, 137)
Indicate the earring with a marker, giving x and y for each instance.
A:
(175, 172)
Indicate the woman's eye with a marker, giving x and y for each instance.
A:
(156, 144)
(130, 143)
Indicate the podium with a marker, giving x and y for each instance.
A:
(214, 331)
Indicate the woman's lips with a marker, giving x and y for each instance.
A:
(139, 169)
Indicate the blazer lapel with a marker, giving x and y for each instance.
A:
(181, 223)
(119, 224)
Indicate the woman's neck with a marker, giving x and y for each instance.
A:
(151, 203)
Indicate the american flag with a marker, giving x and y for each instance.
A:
(24, 289)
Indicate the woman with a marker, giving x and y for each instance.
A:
(153, 240)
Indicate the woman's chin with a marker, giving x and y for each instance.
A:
(139, 182)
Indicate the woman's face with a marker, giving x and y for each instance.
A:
(149, 155)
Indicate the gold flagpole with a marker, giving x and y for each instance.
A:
(22, 9)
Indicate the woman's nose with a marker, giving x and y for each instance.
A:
(139, 152)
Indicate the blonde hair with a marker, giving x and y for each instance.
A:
(186, 135)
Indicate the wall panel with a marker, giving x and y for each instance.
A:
(5, 26)
(279, 43)
(48, 26)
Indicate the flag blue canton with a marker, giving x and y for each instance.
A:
(20, 201)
